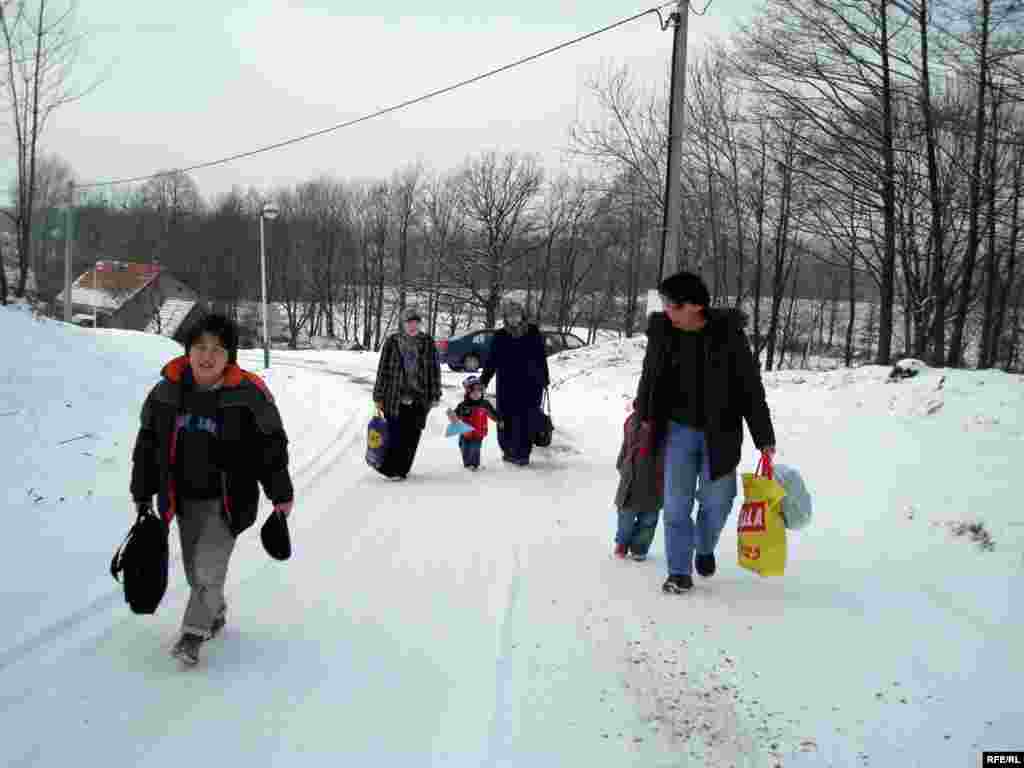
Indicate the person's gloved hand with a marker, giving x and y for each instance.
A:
(645, 438)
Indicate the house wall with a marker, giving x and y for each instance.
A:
(135, 314)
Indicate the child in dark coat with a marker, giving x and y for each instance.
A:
(640, 495)
(474, 411)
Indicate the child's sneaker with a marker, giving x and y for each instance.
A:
(677, 585)
(638, 556)
(187, 649)
(620, 552)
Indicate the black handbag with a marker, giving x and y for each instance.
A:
(545, 428)
(143, 558)
(275, 537)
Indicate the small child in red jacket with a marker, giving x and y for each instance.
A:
(474, 410)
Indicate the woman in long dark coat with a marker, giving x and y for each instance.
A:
(518, 359)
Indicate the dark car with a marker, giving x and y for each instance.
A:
(469, 351)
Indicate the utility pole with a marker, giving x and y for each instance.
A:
(672, 222)
(68, 224)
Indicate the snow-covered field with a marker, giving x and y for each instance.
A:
(478, 620)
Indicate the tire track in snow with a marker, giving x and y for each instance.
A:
(305, 477)
(498, 740)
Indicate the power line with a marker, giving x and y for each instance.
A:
(386, 110)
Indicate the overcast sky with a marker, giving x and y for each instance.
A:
(195, 80)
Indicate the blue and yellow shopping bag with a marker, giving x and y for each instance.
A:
(377, 441)
(761, 527)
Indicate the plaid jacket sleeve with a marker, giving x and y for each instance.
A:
(388, 386)
(385, 371)
(433, 383)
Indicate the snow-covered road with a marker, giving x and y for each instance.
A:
(478, 620)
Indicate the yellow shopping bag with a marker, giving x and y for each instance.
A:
(761, 527)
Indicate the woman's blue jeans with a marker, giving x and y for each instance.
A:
(688, 479)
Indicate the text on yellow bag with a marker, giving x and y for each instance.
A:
(761, 527)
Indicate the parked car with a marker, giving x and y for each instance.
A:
(469, 351)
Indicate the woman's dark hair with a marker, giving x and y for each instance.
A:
(685, 288)
(216, 325)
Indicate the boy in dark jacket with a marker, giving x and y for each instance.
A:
(211, 436)
(474, 411)
(640, 495)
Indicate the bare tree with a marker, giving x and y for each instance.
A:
(834, 64)
(171, 196)
(632, 138)
(495, 192)
(405, 192)
(444, 223)
(42, 46)
(53, 177)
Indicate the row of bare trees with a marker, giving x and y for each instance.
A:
(872, 164)
(346, 257)
(852, 176)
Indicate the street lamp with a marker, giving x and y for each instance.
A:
(267, 211)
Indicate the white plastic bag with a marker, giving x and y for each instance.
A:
(796, 505)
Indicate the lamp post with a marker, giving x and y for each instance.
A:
(267, 211)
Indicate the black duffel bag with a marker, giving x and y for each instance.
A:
(143, 558)
(545, 427)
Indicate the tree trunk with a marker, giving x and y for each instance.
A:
(989, 341)
(782, 246)
(937, 296)
(1011, 258)
(758, 274)
(888, 286)
(852, 309)
(787, 329)
(834, 313)
(1011, 358)
(956, 345)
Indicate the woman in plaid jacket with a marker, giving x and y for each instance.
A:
(408, 386)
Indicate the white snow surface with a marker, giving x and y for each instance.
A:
(465, 619)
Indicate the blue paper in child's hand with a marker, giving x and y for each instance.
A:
(457, 428)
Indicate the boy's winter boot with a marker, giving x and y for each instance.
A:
(187, 648)
(677, 585)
